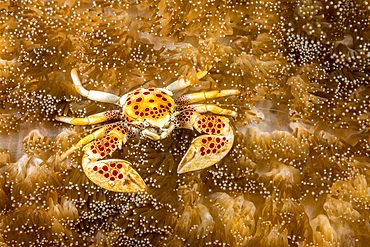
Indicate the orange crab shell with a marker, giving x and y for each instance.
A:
(150, 104)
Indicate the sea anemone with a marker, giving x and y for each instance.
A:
(297, 174)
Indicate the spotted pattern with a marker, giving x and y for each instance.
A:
(110, 170)
(183, 119)
(113, 174)
(211, 124)
(184, 107)
(107, 144)
(112, 115)
(150, 104)
(182, 100)
(213, 145)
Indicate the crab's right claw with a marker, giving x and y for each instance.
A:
(115, 175)
(207, 150)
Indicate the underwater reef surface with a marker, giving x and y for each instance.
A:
(297, 175)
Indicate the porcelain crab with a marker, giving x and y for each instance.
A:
(154, 113)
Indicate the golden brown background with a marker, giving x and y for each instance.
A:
(296, 176)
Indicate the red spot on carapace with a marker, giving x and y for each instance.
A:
(136, 107)
(211, 145)
(120, 176)
(112, 179)
(114, 172)
(146, 93)
(95, 168)
(101, 171)
(128, 102)
(105, 168)
(209, 138)
(158, 95)
(94, 151)
(204, 140)
(119, 165)
(218, 139)
(139, 99)
(151, 89)
(169, 105)
(136, 93)
(102, 154)
(137, 113)
(214, 151)
(210, 125)
(112, 164)
(106, 175)
(151, 101)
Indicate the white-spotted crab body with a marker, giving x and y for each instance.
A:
(153, 113)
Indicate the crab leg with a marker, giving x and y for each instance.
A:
(201, 108)
(92, 94)
(205, 150)
(184, 83)
(93, 119)
(95, 135)
(112, 174)
(196, 97)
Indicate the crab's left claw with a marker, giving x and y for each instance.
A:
(111, 174)
(115, 175)
(206, 150)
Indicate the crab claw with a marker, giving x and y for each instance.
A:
(113, 174)
(205, 151)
